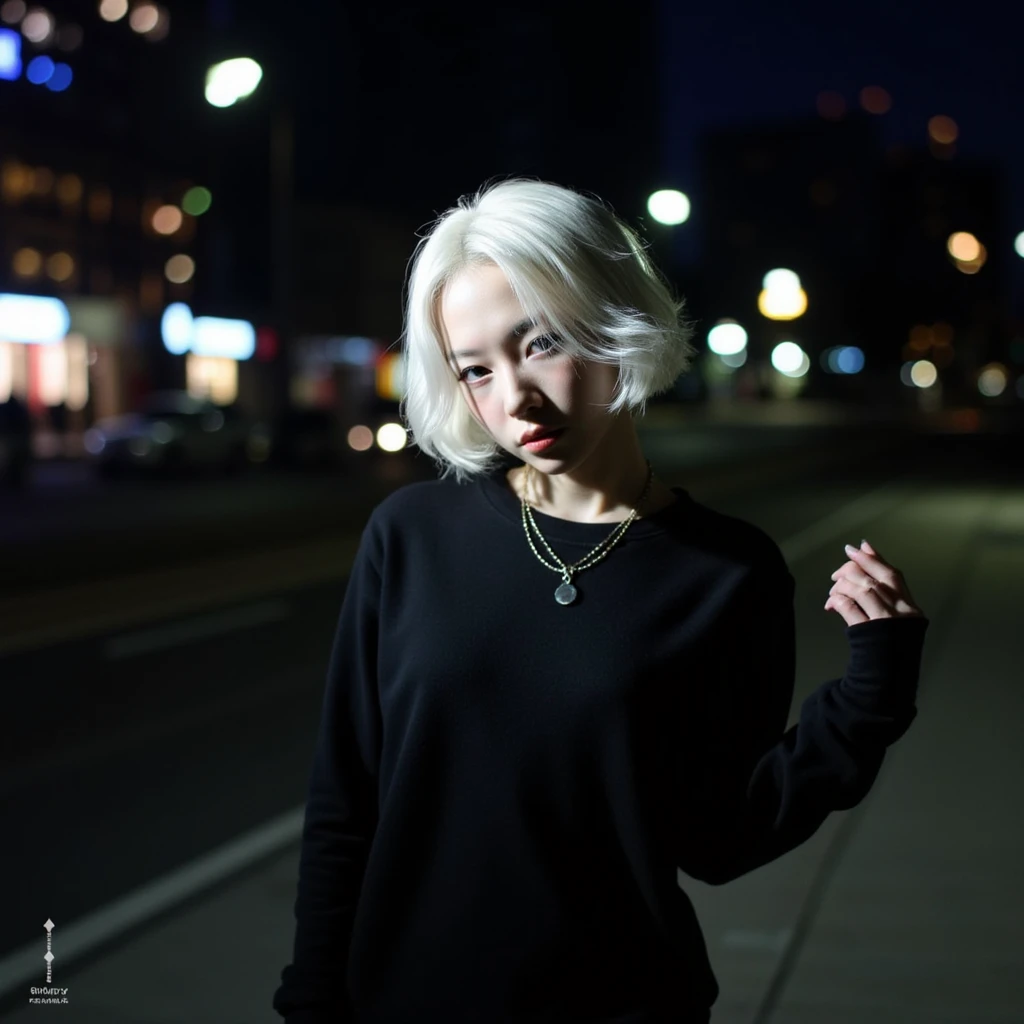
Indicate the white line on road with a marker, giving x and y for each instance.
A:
(71, 941)
(175, 634)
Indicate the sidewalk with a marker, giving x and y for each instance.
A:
(906, 910)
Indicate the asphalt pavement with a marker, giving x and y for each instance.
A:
(159, 826)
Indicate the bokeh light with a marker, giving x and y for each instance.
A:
(113, 10)
(843, 359)
(875, 100)
(162, 27)
(144, 18)
(782, 297)
(197, 201)
(180, 269)
(962, 245)
(13, 11)
(727, 338)
(61, 78)
(973, 266)
(1018, 245)
(40, 70)
(790, 359)
(27, 262)
(922, 373)
(360, 438)
(167, 220)
(668, 206)
(992, 380)
(231, 81)
(392, 437)
(69, 189)
(943, 129)
(37, 26)
(60, 266)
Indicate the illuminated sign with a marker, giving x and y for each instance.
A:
(33, 319)
(10, 54)
(206, 335)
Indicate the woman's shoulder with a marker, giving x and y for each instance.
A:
(413, 502)
(738, 541)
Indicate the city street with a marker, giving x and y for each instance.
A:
(156, 773)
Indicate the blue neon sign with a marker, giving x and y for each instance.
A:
(33, 319)
(206, 335)
(10, 54)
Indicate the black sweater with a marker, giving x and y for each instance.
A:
(502, 787)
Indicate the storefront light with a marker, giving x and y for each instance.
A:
(33, 319)
(206, 335)
(10, 55)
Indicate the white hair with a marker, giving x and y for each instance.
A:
(571, 263)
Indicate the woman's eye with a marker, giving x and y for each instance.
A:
(544, 339)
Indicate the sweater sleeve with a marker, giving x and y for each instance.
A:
(756, 790)
(341, 808)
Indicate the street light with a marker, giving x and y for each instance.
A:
(231, 81)
(228, 82)
(782, 297)
(668, 206)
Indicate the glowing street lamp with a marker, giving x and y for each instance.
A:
(782, 297)
(226, 84)
(231, 81)
(667, 206)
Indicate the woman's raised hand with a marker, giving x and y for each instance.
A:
(867, 587)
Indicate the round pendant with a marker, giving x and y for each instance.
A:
(565, 594)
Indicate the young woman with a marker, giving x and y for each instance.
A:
(556, 680)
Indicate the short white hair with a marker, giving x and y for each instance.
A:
(572, 264)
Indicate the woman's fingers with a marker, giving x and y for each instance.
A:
(875, 588)
(874, 599)
(851, 612)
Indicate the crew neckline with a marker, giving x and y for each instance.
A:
(499, 494)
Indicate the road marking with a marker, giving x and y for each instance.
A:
(177, 634)
(23, 966)
(845, 520)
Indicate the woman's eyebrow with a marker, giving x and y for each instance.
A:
(517, 331)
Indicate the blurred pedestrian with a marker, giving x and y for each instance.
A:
(556, 679)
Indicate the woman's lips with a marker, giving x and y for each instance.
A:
(543, 443)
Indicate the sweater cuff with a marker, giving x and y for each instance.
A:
(885, 660)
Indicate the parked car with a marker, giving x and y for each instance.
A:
(175, 433)
(15, 442)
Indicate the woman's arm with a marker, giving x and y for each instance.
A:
(341, 808)
(754, 790)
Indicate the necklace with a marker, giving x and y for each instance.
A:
(566, 592)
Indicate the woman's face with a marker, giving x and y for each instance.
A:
(514, 382)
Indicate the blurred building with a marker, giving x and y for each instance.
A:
(867, 231)
(953, 312)
(93, 171)
(805, 196)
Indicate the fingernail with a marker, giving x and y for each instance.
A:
(850, 549)
(863, 542)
